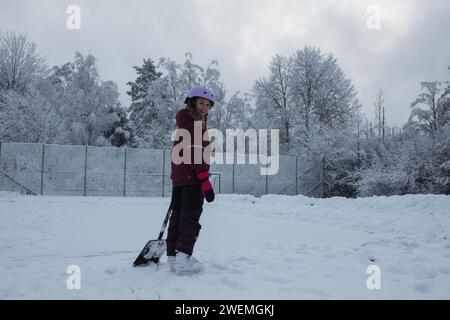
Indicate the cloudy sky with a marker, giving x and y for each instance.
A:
(410, 46)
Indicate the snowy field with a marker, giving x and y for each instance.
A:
(273, 247)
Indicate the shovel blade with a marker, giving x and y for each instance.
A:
(152, 251)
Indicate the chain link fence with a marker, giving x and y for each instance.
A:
(51, 169)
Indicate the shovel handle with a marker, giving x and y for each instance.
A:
(166, 219)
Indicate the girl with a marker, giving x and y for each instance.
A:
(190, 186)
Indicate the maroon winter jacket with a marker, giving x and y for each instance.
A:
(185, 174)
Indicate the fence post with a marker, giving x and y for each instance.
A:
(219, 183)
(232, 178)
(296, 174)
(323, 176)
(163, 170)
(85, 168)
(267, 182)
(42, 169)
(125, 174)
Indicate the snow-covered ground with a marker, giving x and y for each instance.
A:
(273, 247)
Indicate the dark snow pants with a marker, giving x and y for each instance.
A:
(184, 226)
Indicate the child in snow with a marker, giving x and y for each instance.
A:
(190, 186)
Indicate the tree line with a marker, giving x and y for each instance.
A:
(306, 96)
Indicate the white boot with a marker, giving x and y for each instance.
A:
(185, 264)
(171, 263)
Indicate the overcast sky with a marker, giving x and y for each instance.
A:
(412, 44)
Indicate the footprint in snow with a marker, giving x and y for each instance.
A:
(422, 287)
(218, 266)
(110, 271)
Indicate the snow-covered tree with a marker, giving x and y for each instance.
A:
(380, 115)
(442, 154)
(146, 75)
(20, 63)
(154, 118)
(321, 89)
(387, 172)
(26, 113)
(275, 103)
(416, 159)
(305, 90)
(89, 107)
(29, 116)
(436, 109)
(310, 100)
(152, 100)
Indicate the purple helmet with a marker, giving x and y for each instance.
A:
(201, 92)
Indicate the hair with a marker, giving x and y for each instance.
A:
(195, 113)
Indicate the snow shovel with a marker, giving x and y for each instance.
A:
(154, 249)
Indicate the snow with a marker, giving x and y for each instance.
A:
(272, 247)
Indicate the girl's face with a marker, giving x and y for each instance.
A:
(202, 105)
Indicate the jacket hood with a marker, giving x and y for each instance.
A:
(184, 118)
